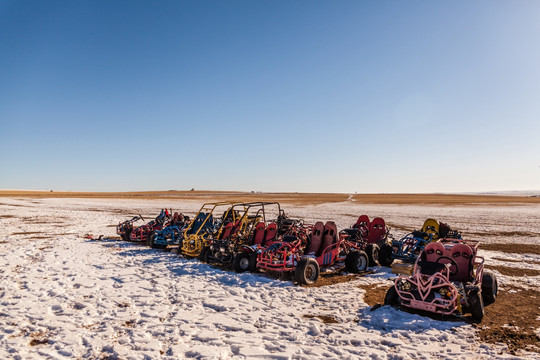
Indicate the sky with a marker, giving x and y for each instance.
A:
(293, 96)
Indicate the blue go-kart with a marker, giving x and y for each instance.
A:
(170, 236)
(409, 247)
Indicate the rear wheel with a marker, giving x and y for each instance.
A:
(356, 262)
(392, 298)
(372, 251)
(307, 271)
(241, 262)
(385, 255)
(490, 287)
(253, 262)
(150, 240)
(476, 306)
(125, 236)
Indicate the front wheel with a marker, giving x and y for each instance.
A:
(392, 298)
(385, 255)
(307, 271)
(356, 262)
(476, 306)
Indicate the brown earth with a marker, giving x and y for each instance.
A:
(512, 248)
(296, 198)
(327, 319)
(513, 271)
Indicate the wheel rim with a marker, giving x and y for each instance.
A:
(244, 263)
(310, 272)
(361, 263)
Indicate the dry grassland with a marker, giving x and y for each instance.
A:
(290, 198)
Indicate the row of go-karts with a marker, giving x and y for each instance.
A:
(447, 277)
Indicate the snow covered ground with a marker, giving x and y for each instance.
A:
(63, 296)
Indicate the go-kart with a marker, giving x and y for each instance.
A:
(142, 233)
(249, 228)
(204, 226)
(323, 249)
(171, 234)
(448, 278)
(125, 228)
(409, 247)
(368, 235)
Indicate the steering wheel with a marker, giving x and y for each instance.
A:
(448, 260)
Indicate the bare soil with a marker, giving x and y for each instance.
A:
(295, 198)
(513, 271)
(512, 248)
(334, 278)
(326, 319)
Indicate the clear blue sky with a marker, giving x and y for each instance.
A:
(323, 96)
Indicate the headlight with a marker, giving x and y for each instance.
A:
(445, 292)
(404, 285)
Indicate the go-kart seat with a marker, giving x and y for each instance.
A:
(431, 226)
(209, 222)
(236, 227)
(258, 234)
(227, 230)
(197, 223)
(330, 236)
(462, 254)
(433, 251)
(377, 230)
(270, 233)
(362, 220)
(316, 238)
(444, 230)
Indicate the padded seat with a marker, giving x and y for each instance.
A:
(270, 233)
(433, 251)
(377, 230)
(316, 238)
(462, 254)
(329, 237)
(362, 220)
(258, 234)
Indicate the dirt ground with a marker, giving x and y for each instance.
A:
(291, 198)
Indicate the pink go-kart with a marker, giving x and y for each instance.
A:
(449, 279)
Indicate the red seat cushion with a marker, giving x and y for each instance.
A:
(330, 236)
(316, 238)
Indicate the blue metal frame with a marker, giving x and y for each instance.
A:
(171, 235)
(408, 247)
